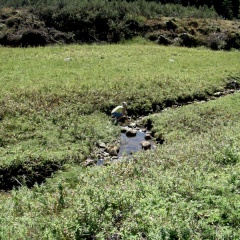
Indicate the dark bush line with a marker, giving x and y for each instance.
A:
(64, 27)
(87, 28)
(16, 176)
(109, 22)
(228, 9)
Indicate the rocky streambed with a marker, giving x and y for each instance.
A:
(134, 137)
(138, 137)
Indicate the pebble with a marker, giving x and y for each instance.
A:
(146, 145)
(132, 125)
(148, 136)
(131, 133)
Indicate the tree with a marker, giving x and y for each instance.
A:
(236, 8)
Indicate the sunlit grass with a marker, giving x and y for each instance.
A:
(113, 68)
(181, 189)
(51, 114)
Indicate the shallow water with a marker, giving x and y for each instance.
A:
(130, 145)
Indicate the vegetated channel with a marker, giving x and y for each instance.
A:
(134, 137)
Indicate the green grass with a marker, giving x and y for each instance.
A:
(116, 71)
(53, 114)
(195, 119)
(186, 189)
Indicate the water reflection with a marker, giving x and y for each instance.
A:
(131, 144)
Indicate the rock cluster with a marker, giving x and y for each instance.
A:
(107, 153)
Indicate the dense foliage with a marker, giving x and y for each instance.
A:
(226, 8)
(110, 22)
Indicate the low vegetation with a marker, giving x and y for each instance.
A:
(40, 23)
(55, 107)
(226, 8)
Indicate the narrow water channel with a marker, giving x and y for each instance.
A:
(130, 145)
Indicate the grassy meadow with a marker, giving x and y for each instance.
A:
(55, 106)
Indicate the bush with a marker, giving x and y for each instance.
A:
(233, 41)
(13, 21)
(188, 40)
(216, 41)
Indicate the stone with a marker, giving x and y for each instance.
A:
(233, 85)
(217, 94)
(88, 162)
(230, 91)
(148, 136)
(124, 129)
(146, 145)
(131, 133)
(132, 125)
(105, 154)
(113, 150)
(101, 144)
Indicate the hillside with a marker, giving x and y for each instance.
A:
(63, 70)
(22, 27)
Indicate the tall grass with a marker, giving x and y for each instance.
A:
(113, 68)
(55, 107)
(182, 190)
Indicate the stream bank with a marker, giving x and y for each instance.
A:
(136, 132)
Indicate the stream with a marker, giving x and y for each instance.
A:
(135, 137)
(129, 145)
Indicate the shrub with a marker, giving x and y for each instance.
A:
(216, 41)
(13, 21)
(188, 40)
(171, 25)
(233, 41)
